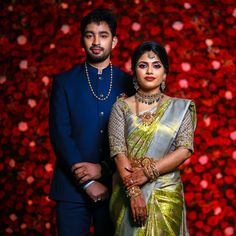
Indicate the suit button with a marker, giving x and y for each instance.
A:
(101, 131)
(101, 113)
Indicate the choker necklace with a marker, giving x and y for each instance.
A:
(90, 84)
(147, 99)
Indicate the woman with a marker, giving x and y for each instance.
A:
(150, 135)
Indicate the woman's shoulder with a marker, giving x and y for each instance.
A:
(123, 103)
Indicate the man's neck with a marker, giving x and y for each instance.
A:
(100, 65)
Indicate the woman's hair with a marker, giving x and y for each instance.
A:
(98, 16)
(148, 46)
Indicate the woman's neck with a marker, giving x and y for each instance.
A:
(149, 92)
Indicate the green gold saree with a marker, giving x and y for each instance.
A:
(172, 128)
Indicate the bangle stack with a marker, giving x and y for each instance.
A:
(149, 167)
(133, 191)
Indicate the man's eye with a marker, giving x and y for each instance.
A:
(88, 36)
(104, 36)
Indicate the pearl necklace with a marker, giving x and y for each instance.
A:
(90, 84)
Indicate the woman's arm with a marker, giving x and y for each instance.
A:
(171, 161)
(123, 165)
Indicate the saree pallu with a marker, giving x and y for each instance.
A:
(164, 197)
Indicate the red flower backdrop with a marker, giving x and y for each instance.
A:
(40, 39)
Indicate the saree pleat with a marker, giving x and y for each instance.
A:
(164, 197)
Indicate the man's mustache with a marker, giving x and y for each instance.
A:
(96, 47)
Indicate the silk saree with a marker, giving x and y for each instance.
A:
(172, 128)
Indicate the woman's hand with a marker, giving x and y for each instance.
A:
(137, 177)
(139, 209)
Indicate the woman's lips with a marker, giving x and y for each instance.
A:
(149, 78)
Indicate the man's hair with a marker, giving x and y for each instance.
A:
(98, 16)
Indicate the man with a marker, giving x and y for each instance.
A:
(80, 105)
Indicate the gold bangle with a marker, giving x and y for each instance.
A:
(133, 191)
(155, 170)
(149, 167)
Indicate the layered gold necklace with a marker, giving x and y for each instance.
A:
(147, 117)
(91, 87)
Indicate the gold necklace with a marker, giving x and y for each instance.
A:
(91, 87)
(148, 117)
(147, 98)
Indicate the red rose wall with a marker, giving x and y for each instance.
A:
(39, 39)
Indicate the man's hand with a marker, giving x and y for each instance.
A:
(85, 171)
(97, 191)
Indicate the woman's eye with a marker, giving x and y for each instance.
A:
(142, 66)
(156, 66)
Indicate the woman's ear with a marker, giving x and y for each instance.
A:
(164, 78)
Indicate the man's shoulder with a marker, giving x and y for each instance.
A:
(121, 72)
(124, 81)
(68, 74)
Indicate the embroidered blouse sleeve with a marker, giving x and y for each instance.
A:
(185, 134)
(116, 129)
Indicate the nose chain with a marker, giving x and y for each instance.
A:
(91, 87)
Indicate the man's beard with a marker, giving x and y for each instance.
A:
(97, 59)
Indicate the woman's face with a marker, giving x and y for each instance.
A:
(150, 72)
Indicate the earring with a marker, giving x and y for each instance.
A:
(136, 87)
(163, 86)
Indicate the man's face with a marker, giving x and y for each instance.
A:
(98, 42)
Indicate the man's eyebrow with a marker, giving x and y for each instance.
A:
(88, 32)
(103, 32)
(100, 32)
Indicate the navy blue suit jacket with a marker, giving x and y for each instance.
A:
(78, 124)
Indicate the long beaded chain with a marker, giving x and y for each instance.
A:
(90, 84)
